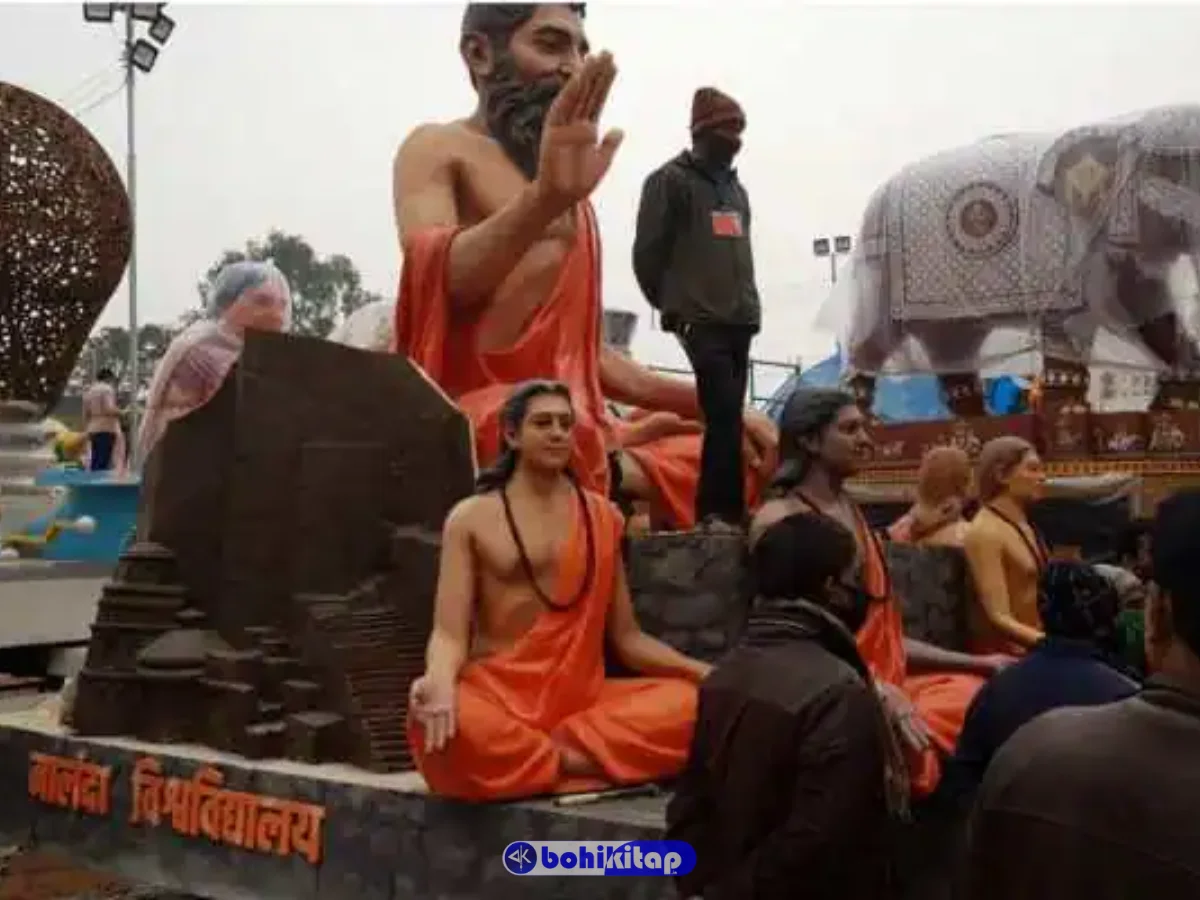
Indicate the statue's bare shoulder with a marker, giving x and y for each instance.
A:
(473, 516)
(983, 531)
(425, 175)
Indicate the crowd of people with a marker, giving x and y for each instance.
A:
(802, 763)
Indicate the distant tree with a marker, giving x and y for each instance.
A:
(324, 290)
(109, 348)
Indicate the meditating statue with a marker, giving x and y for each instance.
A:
(1005, 552)
(926, 689)
(243, 295)
(514, 701)
(944, 486)
(501, 273)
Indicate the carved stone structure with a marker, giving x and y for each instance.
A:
(279, 597)
(934, 587)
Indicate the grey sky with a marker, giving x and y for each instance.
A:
(289, 116)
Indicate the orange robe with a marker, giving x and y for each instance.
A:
(672, 465)
(561, 341)
(518, 707)
(940, 698)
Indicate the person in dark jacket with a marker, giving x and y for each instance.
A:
(1099, 802)
(795, 777)
(693, 262)
(1075, 664)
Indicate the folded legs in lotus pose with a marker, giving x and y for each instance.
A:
(514, 701)
(925, 688)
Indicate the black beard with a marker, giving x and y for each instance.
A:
(515, 110)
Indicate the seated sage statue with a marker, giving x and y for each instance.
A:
(515, 701)
(1006, 554)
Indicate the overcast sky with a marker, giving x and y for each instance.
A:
(278, 116)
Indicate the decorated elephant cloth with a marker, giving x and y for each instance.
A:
(1130, 188)
(243, 295)
(941, 258)
(997, 254)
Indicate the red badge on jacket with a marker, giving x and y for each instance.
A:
(727, 223)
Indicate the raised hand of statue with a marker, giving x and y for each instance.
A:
(573, 159)
(431, 700)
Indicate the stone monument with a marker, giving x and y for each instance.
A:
(278, 598)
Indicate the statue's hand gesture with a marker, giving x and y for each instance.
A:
(573, 159)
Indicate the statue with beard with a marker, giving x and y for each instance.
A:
(501, 273)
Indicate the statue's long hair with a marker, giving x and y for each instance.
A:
(806, 414)
(512, 416)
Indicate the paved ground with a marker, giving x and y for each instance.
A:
(44, 876)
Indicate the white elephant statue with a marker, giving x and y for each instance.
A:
(1032, 243)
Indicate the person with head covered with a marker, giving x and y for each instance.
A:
(1076, 663)
(245, 295)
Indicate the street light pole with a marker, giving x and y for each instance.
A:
(131, 178)
(832, 248)
(141, 55)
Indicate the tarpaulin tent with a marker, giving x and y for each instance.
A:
(900, 398)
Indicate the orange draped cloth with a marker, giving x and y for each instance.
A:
(940, 698)
(672, 465)
(519, 707)
(560, 341)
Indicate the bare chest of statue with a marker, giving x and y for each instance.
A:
(1022, 571)
(510, 589)
(488, 181)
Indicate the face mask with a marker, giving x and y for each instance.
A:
(720, 149)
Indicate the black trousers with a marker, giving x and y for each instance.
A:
(720, 358)
(101, 445)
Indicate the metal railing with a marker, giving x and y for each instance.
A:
(785, 370)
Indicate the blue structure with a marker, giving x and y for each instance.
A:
(900, 398)
(111, 503)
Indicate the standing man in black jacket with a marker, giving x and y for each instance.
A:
(693, 262)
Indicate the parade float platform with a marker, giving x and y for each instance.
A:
(221, 827)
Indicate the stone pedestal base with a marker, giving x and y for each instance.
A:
(382, 837)
(690, 589)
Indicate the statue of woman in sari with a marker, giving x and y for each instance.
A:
(245, 295)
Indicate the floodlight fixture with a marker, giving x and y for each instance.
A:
(99, 12)
(143, 55)
(841, 243)
(821, 247)
(145, 12)
(161, 28)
